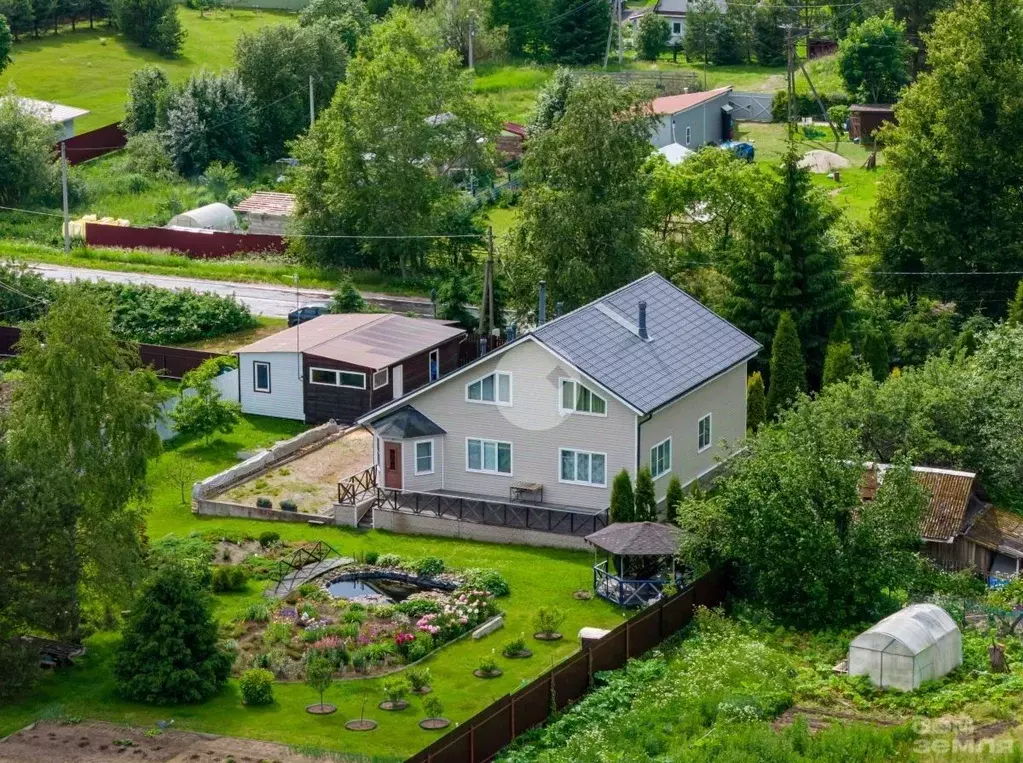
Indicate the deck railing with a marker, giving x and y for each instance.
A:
(494, 512)
(355, 487)
(624, 591)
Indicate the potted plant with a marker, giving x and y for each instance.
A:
(395, 690)
(488, 667)
(434, 710)
(547, 620)
(319, 674)
(419, 680)
(516, 649)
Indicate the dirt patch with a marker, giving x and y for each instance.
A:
(90, 742)
(310, 480)
(227, 552)
(818, 719)
(989, 731)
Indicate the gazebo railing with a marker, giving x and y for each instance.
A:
(625, 592)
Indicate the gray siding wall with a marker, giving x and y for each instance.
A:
(285, 397)
(725, 399)
(408, 457)
(534, 426)
(704, 122)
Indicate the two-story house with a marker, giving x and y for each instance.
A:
(644, 376)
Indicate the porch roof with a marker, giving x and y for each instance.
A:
(406, 423)
(636, 539)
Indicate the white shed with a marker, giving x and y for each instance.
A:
(916, 644)
(215, 216)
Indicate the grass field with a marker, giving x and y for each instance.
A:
(536, 577)
(90, 68)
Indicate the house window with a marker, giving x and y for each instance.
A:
(434, 365)
(660, 458)
(493, 388)
(424, 457)
(582, 468)
(380, 378)
(579, 398)
(260, 376)
(330, 377)
(676, 28)
(703, 436)
(488, 456)
(689, 135)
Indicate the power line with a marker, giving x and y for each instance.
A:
(31, 212)
(947, 273)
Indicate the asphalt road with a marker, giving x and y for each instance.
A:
(262, 299)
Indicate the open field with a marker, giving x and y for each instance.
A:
(536, 576)
(90, 68)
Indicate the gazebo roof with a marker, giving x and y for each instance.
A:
(636, 539)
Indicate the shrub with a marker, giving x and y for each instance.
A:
(28, 173)
(372, 557)
(433, 707)
(309, 589)
(146, 89)
(673, 498)
(150, 23)
(258, 612)
(220, 178)
(547, 620)
(169, 651)
(395, 689)
(356, 616)
(428, 567)
(229, 578)
(416, 608)
(422, 646)
(277, 633)
(192, 554)
(418, 678)
(623, 501)
(654, 34)
(491, 581)
(268, 538)
(346, 298)
(389, 560)
(838, 116)
(257, 687)
(515, 646)
(19, 668)
(288, 505)
(319, 675)
(488, 664)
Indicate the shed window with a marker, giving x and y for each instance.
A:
(493, 388)
(424, 457)
(703, 435)
(260, 376)
(333, 378)
(380, 378)
(581, 399)
(689, 135)
(583, 468)
(660, 458)
(488, 456)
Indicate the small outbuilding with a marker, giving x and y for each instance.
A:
(214, 216)
(918, 643)
(267, 212)
(865, 119)
(62, 117)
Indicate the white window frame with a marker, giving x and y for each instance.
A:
(689, 134)
(387, 378)
(255, 377)
(497, 389)
(710, 432)
(575, 396)
(671, 454)
(483, 441)
(337, 376)
(415, 457)
(429, 366)
(576, 453)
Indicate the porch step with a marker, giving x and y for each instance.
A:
(366, 521)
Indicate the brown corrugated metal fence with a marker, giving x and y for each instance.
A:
(89, 145)
(195, 243)
(480, 738)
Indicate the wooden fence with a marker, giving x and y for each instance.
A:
(473, 346)
(204, 244)
(524, 516)
(480, 738)
(89, 145)
(170, 362)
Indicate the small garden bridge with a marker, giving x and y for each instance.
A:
(303, 565)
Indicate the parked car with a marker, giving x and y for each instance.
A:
(740, 149)
(307, 313)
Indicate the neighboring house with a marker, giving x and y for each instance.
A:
(866, 119)
(512, 140)
(341, 366)
(645, 376)
(267, 212)
(57, 114)
(960, 529)
(693, 120)
(675, 12)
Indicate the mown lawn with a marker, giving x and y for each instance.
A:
(90, 68)
(536, 577)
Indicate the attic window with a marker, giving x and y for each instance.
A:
(578, 398)
(493, 388)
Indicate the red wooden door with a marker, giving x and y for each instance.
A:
(392, 465)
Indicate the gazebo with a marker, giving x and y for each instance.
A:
(642, 557)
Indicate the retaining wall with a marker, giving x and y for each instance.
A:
(422, 524)
(238, 511)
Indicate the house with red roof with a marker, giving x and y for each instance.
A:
(693, 120)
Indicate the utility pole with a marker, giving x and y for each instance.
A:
(618, 23)
(790, 77)
(312, 103)
(472, 38)
(63, 185)
(610, 32)
(820, 103)
(487, 293)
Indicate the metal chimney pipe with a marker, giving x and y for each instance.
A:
(510, 331)
(642, 321)
(541, 312)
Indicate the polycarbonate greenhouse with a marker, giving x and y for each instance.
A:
(215, 216)
(916, 644)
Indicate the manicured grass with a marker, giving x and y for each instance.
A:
(536, 576)
(90, 68)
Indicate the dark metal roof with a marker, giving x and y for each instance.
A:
(406, 423)
(636, 539)
(688, 343)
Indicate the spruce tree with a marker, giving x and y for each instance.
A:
(673, 499)
(756, 402)
(578, 36)
(790, 265)
(1016, 307)
(623, 502)
(875, 355)
(788, 368)
(646, 497)
(838, 332)
(839, 363)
